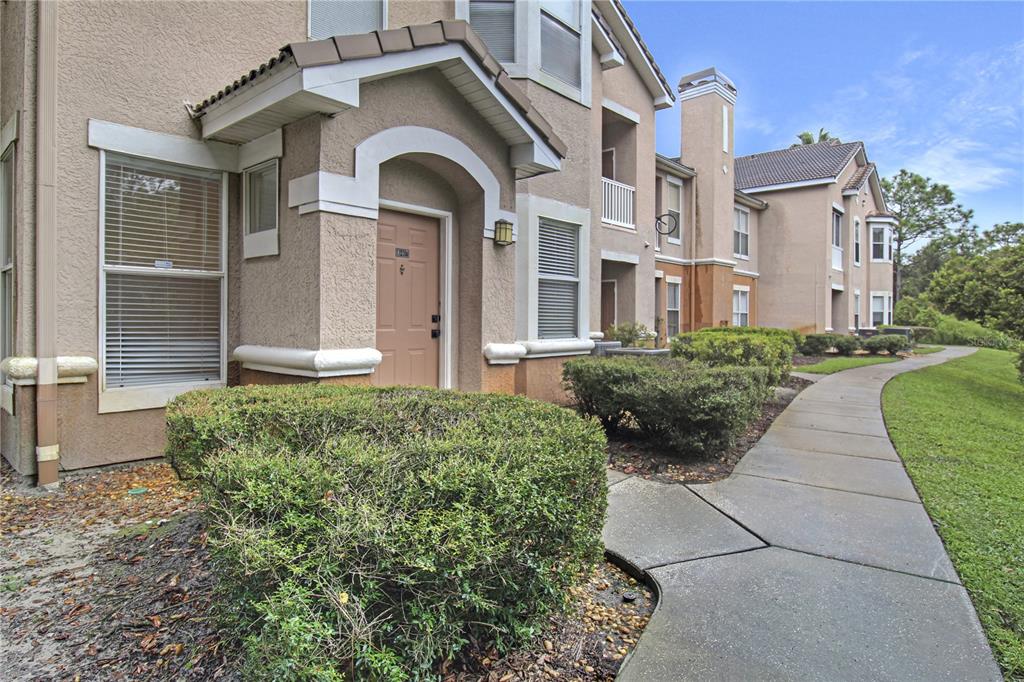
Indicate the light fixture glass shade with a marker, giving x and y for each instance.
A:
(502, 232)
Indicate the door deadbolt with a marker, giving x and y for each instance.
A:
(401, 269)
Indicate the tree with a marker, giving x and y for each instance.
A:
(987, 284)
(923, 209)
(922, 265)
(807, 137)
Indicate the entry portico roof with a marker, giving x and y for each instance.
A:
(323, 76)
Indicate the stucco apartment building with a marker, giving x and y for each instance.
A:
(459, 193)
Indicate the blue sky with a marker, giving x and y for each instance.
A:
(937, 88)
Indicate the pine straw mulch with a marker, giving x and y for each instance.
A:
(109, 578)
(633, 455)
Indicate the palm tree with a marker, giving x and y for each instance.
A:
(807, 137)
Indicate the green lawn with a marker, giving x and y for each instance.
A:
(838, 364)
(959, 428)
(925, 350)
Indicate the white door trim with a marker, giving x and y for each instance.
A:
(445, 364)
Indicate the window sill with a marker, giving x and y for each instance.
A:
(880, 260)
(741, 256)
(630, 230)
(259, 244)
(677, 242)
(147, 397)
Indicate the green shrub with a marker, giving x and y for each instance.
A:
(890, 343)
(772, 351)
(947, 330)
(688, 407)
(1020, 365)
(630, 334)
(767, 331)
(819, 344)
(369, 533)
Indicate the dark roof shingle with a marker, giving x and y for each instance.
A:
(796, 164)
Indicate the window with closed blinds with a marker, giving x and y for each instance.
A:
(672, 308)
(560, 50)
(163, 274)
(675, 209)
(495, 22)
(740, 307)
(329, 18)
(558, 280)
(740, 233)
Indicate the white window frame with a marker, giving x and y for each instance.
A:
(156, 396)
(886, 243)
(886, 297)
(383, 19)
(674, 185)
(744, 296)
(265, 242)
(736, 212)
(578, 280)
(856, 242)
(677, 282)
(9, 297)
(856, 309)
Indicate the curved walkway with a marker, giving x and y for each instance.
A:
(814, 560)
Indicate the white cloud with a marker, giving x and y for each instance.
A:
(962, 164)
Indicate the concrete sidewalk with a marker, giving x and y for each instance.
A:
(814, 560)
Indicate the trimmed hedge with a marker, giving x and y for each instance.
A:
(717, 349)
(767, 331)
(818, 344)
(689, 407)
(368, 533)
(891, 343)
(629, 334)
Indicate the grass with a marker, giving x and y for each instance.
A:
(838, 364)
(925, 350)
(959, 428)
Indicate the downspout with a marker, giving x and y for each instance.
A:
(693, 253)
(47, 448)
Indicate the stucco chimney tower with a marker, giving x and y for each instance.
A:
(706, 100)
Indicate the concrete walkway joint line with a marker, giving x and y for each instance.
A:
(815, 559)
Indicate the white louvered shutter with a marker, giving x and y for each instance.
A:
(495, 22)
(329, 18)
(163, 274)
(557, 280)
(560, 50)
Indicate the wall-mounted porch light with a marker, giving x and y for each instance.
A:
(502, 232)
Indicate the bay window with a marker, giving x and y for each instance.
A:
(881, 243)
(162, 281)
(740, 234)
(558, 280)
(495, 22)
(328, 18)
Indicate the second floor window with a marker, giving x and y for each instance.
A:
(741, 233)
(881, 244)
(495, 22)
(329, 18)
(675, 210)
(856, 242)
(837, 230)
(560, 41)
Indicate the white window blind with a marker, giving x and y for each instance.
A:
(856, 241)
(560, 50)
(740, 307)
(856, 310)
(877, 310)
(7, 254)
(495, 22)
(881, 244)
(163, 272)
(557, 280)
(329, 18)
(837, 230)
(740, 233)
(672, 308)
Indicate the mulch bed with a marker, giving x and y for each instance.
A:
(801, 360)
(634, 455)
(109, 578)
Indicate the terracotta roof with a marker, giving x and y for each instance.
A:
(369, 45)
(858, 178)
(643, 47)
(797, 164)
(881, 214)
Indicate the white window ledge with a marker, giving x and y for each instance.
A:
(317, 363)
(147, 397)
(546, 348)
(504, 353)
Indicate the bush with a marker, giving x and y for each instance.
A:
(767, 331)
(772, 351)
(891, 343)
(369, 533)
(1020, 365)
(630, 334)
(819, 344)
(689, 407)
(947, 330)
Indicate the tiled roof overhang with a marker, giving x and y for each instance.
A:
(637, 51)
(324, 76)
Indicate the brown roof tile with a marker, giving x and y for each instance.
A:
(858, 178)
(369, 45)
(797, 164)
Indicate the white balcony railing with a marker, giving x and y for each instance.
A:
(618, 200)
(837, 257)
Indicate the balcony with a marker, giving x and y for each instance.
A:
(837, 258)
(618, 201)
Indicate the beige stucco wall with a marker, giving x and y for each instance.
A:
(410, 12)
(701, 149)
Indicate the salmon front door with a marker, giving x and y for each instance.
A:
(408, 299)
(607, 304)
